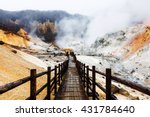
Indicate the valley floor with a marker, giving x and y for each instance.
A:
(17, 63)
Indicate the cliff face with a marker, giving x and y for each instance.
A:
(20, 39)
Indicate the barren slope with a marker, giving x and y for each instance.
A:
(20, 39)
(12, 68)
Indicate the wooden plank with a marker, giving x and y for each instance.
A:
(71, 87)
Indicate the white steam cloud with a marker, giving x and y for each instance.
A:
(71, 32)
(112, 15)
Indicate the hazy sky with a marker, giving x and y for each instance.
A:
(86, 7)
(106, 15)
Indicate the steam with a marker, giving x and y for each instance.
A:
(76, 31)
(113, 17)
(71, 32)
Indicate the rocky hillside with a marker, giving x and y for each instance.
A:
(16, 63)
(126, 52)
(20, 39)
(116, 43)
(43, 24)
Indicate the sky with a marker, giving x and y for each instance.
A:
(85, 7)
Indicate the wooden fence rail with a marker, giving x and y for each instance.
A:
(51, 85)
(91, 84)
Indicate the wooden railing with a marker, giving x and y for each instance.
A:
(90, 84)
(52, 82)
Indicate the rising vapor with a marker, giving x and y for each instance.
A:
(111, 16)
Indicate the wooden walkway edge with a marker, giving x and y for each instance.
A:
(71, 87)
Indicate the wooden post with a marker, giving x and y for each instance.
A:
(55, 80)
(33, 84)
(48, 83)
(87, 82)
(67, 64)
(81, 71)
(66, 67)
(59, 74)
(75, 59)
(67, 54)
(93, 80)
(79, 68)
(63, 67)
(61, 71)
(77, 64)
(108, 84)
(84, 75)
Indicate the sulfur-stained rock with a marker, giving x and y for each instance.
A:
(114, 89)
(124, 92)
(133, 97)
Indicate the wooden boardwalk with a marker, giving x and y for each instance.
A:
(71, 87)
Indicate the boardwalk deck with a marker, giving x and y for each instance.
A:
(71, 87)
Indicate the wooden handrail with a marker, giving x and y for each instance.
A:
(139, 87)
(103, 74)
(109, 77)
(17, 83)
(33, 77)
(13, 85)
(113, 97)
(41, 89)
